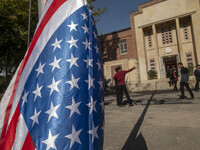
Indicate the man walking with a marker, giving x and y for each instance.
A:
(197, 76)
(184, 81)
(121, 86)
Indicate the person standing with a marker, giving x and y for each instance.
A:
(171, 83)
(175, 79)
(121, 86)
(184, 81)
(167, 72)
(197, 76)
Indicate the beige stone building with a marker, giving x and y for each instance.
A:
(167, 32)
(162, 33)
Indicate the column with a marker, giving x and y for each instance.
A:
(196, 36)
(141, 55)
(157, 58)
(180, 51)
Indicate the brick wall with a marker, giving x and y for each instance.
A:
(110, 45)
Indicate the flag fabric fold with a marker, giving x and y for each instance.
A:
(56, 97)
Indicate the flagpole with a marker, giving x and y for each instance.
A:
(29, 24)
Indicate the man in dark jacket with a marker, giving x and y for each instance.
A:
(119, 77)
(184, 81)
(197, 75)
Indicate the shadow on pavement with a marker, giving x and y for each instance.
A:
(136, 140)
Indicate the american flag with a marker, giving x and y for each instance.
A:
(56, 99)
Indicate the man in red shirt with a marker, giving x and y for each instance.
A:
(119, 77)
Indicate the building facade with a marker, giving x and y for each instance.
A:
(162, 33)
(167, 32)
(119, 49)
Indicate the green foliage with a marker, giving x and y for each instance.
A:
(3, 84)
(13, 32)
(109, 86)
(191, 69)
(96, 11)
(14, 16)
(1, 95)
(152, 74)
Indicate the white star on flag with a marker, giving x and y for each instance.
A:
(97, 49)
(99, 65)
(92, 22)
(93, 131)
(73, 61)
(95, 35)
(84, 16)
(72, 42)
(35, 117)
(74, 107)
(89, 62)
(24, 98)
(102, 105)
(74, 136)
(86, 29)
(92, 105)
(56, 44)
(73, 82)
(55, 63)
(72, 26)
(50, 142)
(101, 84)
(37, 92)
(52, 112)
(40, 69)
(87, 44)
(90, 82)
(54, 86)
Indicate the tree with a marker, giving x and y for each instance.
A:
(96, 13)
(14, 32)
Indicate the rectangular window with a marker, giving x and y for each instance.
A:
(167, 35)
(185, 30)
(189, 59)
(123, 47)
(152, 64)
(149, 39)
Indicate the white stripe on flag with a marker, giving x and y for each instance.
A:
(5, 101)
(59, 17)
(48, 4)
(21, 133)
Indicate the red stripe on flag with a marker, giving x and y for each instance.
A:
(52, 9)
(28, 144)
(10, 134)
(7, 114)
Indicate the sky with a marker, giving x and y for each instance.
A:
(116, 17)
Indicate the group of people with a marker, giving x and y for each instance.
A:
(120, 74)
(171, 73)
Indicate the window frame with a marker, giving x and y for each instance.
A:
(123, 46)
(152, 64)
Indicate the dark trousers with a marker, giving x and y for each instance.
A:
(120, 90)
(197, 84)
(171, 82)
(175, 85)
(182, 84)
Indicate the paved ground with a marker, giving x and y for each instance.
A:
(159, 121)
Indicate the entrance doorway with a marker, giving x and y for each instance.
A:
(169, 62)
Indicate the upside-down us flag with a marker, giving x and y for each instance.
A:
(55, 100)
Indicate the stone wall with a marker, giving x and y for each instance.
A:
(152, 85)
